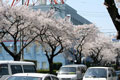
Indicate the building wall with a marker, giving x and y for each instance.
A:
(32, 52)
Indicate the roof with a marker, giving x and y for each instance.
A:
(74, 65)
(16, 62)
(62, 11)
(102, 67)
(32, 74)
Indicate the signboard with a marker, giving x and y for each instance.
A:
(57, 1)
(33, 2)
(26, 2)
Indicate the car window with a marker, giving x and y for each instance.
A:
(47, 78)
(16, 78)
(16, 69)
(68, 70)
(96, 72)
(31, 78)
(4, 69)
(23, 78)
(29, 68)
(54, 78)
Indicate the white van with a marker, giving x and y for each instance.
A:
(100, 73)
(8, 68)
(72, 72)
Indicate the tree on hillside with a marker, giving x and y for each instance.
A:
(84, 34)
(114, 14)
(16, 24)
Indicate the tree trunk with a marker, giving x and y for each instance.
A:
(51, 66)
(113, 12)
(79, 59)
(17, 58)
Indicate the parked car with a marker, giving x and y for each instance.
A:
(32, 76)
(8, 68)
(72, 72)
(100, 73)
(118, 74)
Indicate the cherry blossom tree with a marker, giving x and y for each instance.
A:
(56, 38)
(117, 52)
(16, 24)
(83, 34)
(89, 42)
(102, 50)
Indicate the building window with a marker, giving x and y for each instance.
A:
(38, 65)
(43, 65)
(18, 48)
(0, 49)
(28, 49)
(37, 49)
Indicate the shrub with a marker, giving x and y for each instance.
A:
(42, 71)
(46, 71)
(57, 65)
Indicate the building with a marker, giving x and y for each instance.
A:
(64, 11)
(34, 51)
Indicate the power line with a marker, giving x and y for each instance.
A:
(92, 12)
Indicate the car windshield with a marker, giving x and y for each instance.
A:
(24, 78)
(118, 72)
(96, 73)
(3, 69)
(67, 70)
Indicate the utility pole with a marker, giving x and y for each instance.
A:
(22, 2)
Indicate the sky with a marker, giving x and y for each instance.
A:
(96, 12)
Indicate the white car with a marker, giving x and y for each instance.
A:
(100, 73)
(8, 68)
(72, 72)
(32, 76)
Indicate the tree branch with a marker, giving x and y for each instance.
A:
(114, 14)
